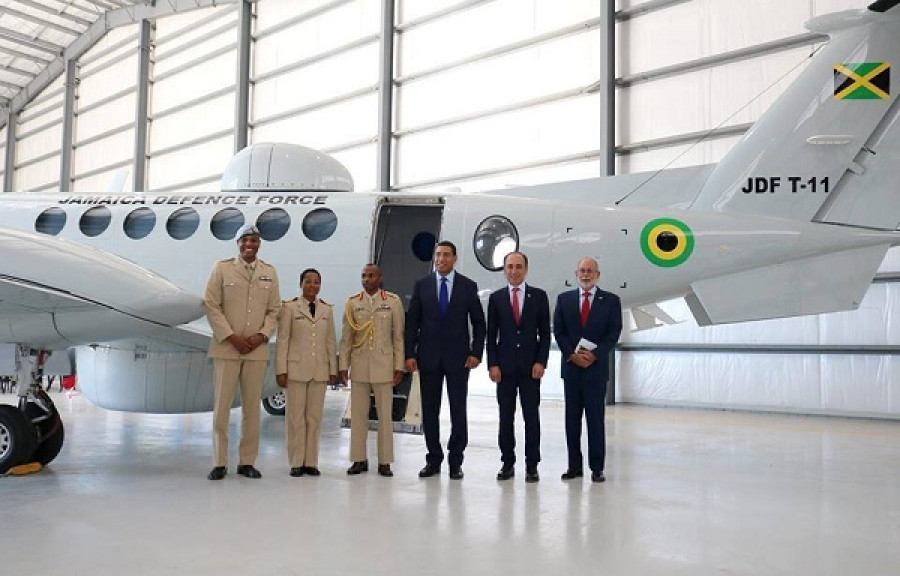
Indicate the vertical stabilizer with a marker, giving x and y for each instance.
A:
(818, 136)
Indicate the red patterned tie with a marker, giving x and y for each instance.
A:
(515, 304)
(585, 309)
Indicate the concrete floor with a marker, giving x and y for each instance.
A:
(688, 492)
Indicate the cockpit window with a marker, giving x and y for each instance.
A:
(95, 221)
(320, 224)
(182, 223)
(225, 224)
(273, 224)
(495, 237)
(139, 223)
(51, 221)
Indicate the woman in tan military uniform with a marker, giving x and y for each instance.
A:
(305, 363)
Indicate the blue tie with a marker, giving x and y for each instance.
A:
(444, 299)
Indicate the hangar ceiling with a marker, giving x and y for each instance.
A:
(38, 36)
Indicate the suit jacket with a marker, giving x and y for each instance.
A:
(517, 348)
(307, 346)
(372, 337)
(432, 336)
(237, 303)
(604, 324)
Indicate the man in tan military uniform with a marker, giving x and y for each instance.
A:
(242, 304)
(372, 349)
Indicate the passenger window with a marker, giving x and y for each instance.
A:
(139, 223)
(495, 237)
(225, 224)
(51, 221)
(182, 223)
(320, 224)
(273, 224)
(95, 221)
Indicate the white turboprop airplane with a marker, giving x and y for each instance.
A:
(794, 220)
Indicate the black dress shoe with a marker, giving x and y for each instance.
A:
(531, 475)
(456, 473)
(506, 472)
(312, 471)
(385, 470)
(598, 477)
(358, 467)
(571, 474)
(430, 470)
(298, 471)
(249, 471)
(217, 473)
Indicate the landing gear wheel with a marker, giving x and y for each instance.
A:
(275, 403)
(50, 431)
(18, 438)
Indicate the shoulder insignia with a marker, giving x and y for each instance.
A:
(326, 303)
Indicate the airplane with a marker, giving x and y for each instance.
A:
(794, 220)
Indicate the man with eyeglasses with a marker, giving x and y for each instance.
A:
(586, 323)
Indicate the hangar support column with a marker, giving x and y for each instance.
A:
(11, 122)
(143, 105)
(65, 160)
(386, 97)
(242, 86)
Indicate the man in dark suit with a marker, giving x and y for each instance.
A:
(442, 306)
(586, 317)
(518, 344)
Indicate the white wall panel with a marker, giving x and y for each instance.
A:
(116, 148)
(485, 26)
(503, 140)
(360, 161)
(514, 77)
(319, 81)
(111, 78)
(38, 143)
(190, 163)
(321, 33)
(39, 175)
(101, 181)
(703, 152)
(333, 125)
(116, 113)
(206, 77)
(527, 177)
(208, 117)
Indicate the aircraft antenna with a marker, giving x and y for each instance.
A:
(712, 130)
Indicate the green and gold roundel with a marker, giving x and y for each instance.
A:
(667, 242)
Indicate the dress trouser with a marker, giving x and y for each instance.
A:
(359, 420)
(303, 412)
(529, 391)
(227, 374)
(432, 384)
(585, 394)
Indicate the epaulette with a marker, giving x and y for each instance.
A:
(291, 300)
(326, 303)
(389, 294)
(357, 296)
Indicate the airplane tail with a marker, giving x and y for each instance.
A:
(827, 150)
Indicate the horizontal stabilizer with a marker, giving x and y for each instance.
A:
(825, 283)
(650, 316)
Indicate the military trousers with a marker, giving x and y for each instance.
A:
(359, 420)
(305, 403)
(228, 375)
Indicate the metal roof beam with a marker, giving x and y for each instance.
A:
(113, 19)
(32, 43)
(58, 13)
(41, 21)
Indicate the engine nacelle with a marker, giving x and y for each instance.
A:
(144, 376)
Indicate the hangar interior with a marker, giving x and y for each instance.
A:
(469, 95)
(466, 95)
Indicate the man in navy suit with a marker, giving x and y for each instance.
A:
(442, 306)
(595, 316)
(518, 345)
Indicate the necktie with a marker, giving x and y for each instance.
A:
(515, 304)
(445, 298)
(585, 309)
(312, 309)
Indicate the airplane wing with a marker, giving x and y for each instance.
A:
(55, 294)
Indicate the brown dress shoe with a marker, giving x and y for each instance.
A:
(358, 467)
